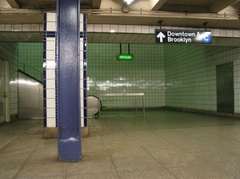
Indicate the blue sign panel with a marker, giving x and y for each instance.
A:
(183, 37)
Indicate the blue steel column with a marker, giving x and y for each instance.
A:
(68, 81)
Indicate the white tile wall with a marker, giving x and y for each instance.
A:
(137, 29)
(2, 27)
(21, 27)
(51, 26)
(129, 29)
(51, 17)
(51, 103)
(51, 122)
(51, 113)
(97, 27)
(51, 94)
(82, 80)
(17, 27)
(107, 28)
(50, 77)
(50, 54)
(50, 80)
(236, 33)
(122, 28)
(90, 27)
(35, 27)
(8, 27)
(26, 27)
(151, 29)
(50, 74)
(145, 29)
(114, 27)
(50, 84)
(50, 44)
(50, 70)
(50, 64)
(81, 22)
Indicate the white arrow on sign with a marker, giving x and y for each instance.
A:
(161, 36)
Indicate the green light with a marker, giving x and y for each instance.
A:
(125, 57)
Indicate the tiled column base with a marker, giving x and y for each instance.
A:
(51, 132)
(84, 131)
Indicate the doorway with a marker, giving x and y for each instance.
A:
(225, 89)
(4, 92)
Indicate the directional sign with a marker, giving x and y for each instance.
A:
(161, 36)
(183, 37)
(125, 57)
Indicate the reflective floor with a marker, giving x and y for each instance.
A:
(125, 145)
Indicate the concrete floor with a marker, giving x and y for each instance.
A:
(126, 145)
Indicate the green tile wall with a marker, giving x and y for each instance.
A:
(30, 59)
(145, 74)
(182, 76)
(191, 75)
(9, 52)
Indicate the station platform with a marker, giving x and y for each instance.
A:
(162, 144)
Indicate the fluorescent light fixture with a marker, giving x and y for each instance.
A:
(22, 81)
(128, 1)
(112, 31)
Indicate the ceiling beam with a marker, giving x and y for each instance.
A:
(21, 18)
(237, 6)
(169, 19)
(96, 4)
(221, 4)
(185, 8)
(14, 3)
(156, 4)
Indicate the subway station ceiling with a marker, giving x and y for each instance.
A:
(184, 13)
